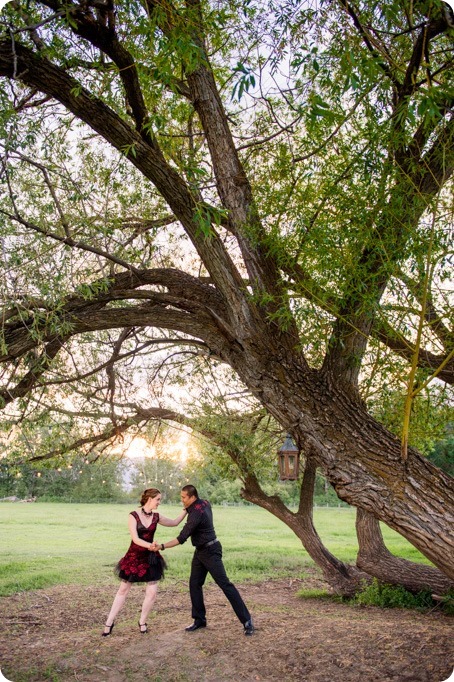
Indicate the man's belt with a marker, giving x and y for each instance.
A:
(207, 544)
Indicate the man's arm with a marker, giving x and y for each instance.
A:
(164, 545)
(191, 524)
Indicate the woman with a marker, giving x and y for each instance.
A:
(139, 563)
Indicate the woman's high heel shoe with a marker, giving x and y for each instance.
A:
(143, 625)
(106, 634)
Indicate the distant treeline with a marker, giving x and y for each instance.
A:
(113, 480)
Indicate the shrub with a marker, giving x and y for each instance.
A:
(393, 596)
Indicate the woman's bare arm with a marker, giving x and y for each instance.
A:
(164, 521)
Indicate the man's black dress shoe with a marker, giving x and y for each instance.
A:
(249, 627)
(195, 626)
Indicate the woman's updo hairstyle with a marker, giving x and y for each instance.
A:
(149, 492)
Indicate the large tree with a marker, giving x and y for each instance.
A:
(263, 183)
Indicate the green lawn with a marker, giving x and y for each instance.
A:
(47, 544)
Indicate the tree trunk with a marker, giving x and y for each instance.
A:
(360, 458)
(377, 560)
(344, 579)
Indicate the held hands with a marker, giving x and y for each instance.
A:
(154, 547)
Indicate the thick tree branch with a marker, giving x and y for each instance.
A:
(440, 365)
(344, 579)
(17, 61)
(40, 366)
(232, 183)
(304, 285)
(375, 558)
(93, 29)
(420, 53)
(433, 317)
(420, 183)
(80, 313)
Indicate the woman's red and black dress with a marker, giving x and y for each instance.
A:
(139, 565)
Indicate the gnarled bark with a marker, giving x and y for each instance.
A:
(375, 558)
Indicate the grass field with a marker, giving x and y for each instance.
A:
(47, 544)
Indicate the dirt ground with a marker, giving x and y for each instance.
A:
(54, 634)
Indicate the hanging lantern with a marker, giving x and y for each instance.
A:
(289, 460)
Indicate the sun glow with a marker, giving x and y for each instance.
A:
(139, 448)
(177, 448)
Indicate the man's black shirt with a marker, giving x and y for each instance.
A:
(199, 524)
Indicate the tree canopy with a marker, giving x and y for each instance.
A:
(250, 186)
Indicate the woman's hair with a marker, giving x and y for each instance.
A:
(149, 492)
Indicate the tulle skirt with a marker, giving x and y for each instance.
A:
(141, 567)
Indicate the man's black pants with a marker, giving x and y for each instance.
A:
(209, 560)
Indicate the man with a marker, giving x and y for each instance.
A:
(207, 559)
